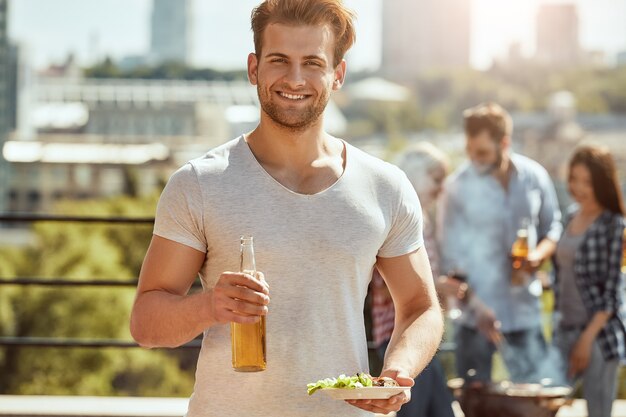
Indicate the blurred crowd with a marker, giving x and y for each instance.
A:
(489, 227)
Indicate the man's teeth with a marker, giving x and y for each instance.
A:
(292, 96)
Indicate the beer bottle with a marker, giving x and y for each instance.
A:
(248, 340)
(453, 304)
(519, 254)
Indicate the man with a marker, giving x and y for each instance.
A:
(484, 204)
(322, 214)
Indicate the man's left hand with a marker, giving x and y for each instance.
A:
(393, 403)
(533, 262)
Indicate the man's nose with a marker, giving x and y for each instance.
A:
(295, 77)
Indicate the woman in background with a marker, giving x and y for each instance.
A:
(426, 167)
(590, 333)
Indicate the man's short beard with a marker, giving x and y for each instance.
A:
(309, 117)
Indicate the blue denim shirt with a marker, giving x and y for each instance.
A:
(478, 223)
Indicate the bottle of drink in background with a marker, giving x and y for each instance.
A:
(248, 340)
(453, 304)
(519, 254)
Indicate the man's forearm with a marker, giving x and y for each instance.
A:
(545, 249)
(415, 341)
(162, 319)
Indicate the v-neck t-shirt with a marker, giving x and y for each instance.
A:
(317, 252)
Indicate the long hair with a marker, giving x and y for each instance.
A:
(307, 12)
(601, 165)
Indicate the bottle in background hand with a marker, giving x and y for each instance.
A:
(248, 340)
(453, 303)
(519, 254)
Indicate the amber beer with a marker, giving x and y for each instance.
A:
(248, 340)
(519, 254)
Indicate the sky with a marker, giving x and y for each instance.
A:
(222, 39)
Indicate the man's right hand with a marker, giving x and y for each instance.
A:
(166, 315)
(449, 286)
(238, 297)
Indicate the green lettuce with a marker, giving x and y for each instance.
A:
(359, 380)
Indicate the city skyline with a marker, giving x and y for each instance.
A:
(92, 30)
(404, 55)
(170, 27)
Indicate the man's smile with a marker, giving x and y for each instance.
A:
(294, 97)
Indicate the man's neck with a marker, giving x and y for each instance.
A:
(280, 147)
(503, 172)
(305, 162)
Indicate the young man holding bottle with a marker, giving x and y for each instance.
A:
(322, 214)
(484, 205)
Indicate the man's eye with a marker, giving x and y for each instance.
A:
(314, 63)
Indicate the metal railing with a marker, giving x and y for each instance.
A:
(55, 342)
(29, 218)
(49, 342)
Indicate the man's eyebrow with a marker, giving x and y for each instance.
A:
(276, 54)
(317, 57)
(308, 57)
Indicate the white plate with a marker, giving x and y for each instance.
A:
(365, 393)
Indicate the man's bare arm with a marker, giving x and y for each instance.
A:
(418, 327)
(419, 321)
(544, 251)
(164, 315)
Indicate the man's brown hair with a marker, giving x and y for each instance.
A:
(490, 117)
(306, 12)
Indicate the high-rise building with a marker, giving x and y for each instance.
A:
(5, 91)
(419, 35)
(557, 34)
(170, 30)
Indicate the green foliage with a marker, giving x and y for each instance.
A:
(80, 252)
(445, 94)
(166, 71)
(439, 98)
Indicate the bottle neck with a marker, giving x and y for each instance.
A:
(247, 262)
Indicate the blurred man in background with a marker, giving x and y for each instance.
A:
(485, 203)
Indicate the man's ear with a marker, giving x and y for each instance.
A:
(506, 142)
(253, 65)
(340, 75)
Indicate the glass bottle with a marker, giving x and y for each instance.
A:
(519, 254)
(248, 340)
(453, 304)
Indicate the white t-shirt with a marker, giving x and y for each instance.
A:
(317, 253)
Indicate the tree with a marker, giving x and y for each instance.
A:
(170, 70)
(83, 251)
